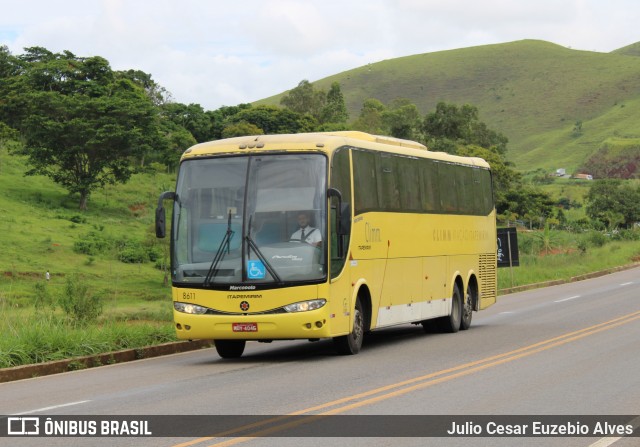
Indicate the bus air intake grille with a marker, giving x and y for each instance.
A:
(488, 278)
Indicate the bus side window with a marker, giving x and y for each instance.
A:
(429, 186)
(365, 184)
(340, 180)
(447, 187)
(408, 181)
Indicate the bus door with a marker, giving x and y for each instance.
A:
(339, 236)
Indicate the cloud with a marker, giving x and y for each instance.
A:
(225, 53)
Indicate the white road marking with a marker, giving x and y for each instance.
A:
(40, 410)
(567, 299)
(626, 283)
(604, 442)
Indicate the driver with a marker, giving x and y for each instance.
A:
(306, 233)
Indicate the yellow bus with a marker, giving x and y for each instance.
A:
(327, 235)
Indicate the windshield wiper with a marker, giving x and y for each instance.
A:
(225, 247)
(254, 247)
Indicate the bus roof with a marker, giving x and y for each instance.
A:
(324, 142)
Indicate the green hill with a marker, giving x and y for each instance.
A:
(629, 50)
(41, 228)
(534, 92)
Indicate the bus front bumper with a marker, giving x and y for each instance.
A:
(302, 325)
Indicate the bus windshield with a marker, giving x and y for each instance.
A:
(250, 220)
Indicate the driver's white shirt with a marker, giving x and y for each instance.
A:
(311, 235)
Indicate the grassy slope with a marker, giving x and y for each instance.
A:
(532, 91)
(36, 234)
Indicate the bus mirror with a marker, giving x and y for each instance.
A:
(161, 227)
(333, 192)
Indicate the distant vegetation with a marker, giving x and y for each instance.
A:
(85, 151)
(86, 126)
(615, 159)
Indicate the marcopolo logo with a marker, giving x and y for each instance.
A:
(242, 287)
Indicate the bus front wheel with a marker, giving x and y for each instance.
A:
(351, 343)
(230, 349)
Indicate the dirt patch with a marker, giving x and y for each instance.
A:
(137, 207)
(34, 275)
(557, 251)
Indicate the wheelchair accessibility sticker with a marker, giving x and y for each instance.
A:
(256, 270)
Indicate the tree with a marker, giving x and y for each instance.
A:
(335, 109)
(402, 119)
(274, 120)
(241, 129)
(525, 200)
(370, 119)
(305, 99)
(178, 140)
(450, 125)
(450, 122)
(613, 202)
(158, 94)
(81, 122)
(192, 117)
(221, 118)
(8, 63)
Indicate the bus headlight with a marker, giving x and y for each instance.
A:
(188, 308)
(304, 306)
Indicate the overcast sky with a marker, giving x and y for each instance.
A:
(217, 52)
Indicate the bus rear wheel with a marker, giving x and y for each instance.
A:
(467, 310)
(351, 343)
(230, 349)
(452, 322)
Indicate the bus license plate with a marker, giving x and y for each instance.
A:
(245, 327)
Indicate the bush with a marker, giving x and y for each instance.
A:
(582, 245)
(80, 305)
(154, 254)
(41, 295)
(78, 219)
(597, 239)
(626, 235)
(577, 225)
(136, 252)
(92, 244)
(133, 254)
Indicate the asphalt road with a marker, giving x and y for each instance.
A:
(565, 350)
